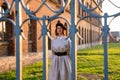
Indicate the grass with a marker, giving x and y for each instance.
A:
(91, 61)
(31, 72)
(89, 64)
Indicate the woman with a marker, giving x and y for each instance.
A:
(60, 66)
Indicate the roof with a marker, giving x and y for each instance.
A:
(115, 33)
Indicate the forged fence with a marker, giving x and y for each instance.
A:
(73, 31)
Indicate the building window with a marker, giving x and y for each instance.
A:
(83, 12)
(78, 10)
(32, 36)
(82, 35)
(85, 36)
(60, 1)
(83, 1)
(79, 33)
(99, 1)
(87, 7)
(2, 28)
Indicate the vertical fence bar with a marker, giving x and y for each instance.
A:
(45, 50)
(18, 41)
(105, 29)
(73, 40)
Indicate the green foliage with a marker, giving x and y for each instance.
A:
(10, 75)
(90, 61)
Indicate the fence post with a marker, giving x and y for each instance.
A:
(73, 40)
(105, 43)
(18, 40)
(45, 50)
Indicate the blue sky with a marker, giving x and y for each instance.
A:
(110, 9)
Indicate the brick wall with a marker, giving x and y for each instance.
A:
(3, 48)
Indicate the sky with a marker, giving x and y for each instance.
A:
(107, 7)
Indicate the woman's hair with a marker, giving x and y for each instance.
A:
(61, 25)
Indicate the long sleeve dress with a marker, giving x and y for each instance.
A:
(60, 66)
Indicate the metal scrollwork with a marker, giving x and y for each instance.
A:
(30, 13)
(44, 22)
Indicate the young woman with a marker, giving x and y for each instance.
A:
(60, 66)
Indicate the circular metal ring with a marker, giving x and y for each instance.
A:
(11, 21)
(89, 11)
(28, 20)
(114, 4)
(59, 17)
(9, 7)
(111, 21)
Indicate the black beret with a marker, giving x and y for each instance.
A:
(60, 24)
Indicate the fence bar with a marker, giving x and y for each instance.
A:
(73, 40)
(18, 41)
(45, 50)
(105, 30)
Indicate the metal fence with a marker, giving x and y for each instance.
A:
(20, 4)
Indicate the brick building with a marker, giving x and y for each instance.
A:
(115, 35)
(89, 28)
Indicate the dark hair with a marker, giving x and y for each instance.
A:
(62, 26)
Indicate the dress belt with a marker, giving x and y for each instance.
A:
(60, 53)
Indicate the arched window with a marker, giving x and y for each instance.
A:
(82, 35)
(32, 46)
(2, 28)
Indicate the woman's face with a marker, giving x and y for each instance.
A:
(59, 30)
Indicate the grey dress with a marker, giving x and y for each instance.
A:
(60, 66)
